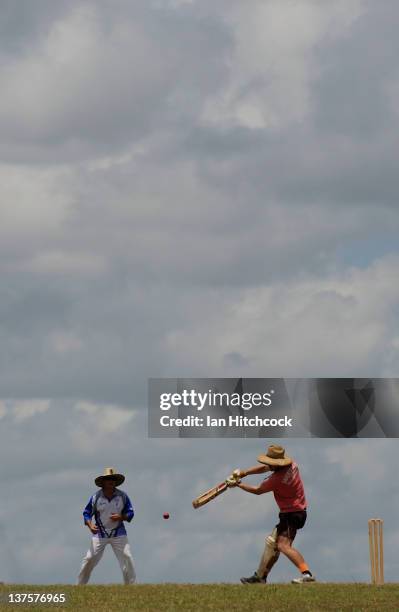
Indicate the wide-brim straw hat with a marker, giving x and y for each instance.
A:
(110, 474)
(275, 455)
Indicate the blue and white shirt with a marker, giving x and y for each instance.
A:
(101, 508)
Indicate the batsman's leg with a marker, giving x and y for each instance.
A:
(284, 545)
(269, 558)
(121, 548)
(270, 555)
(91, 559)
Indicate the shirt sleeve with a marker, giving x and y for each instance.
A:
(128, 509)
(269, 484)
(88, 511)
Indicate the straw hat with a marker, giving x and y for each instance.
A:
(109, 474)
(275, 455)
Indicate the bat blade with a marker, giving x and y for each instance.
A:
(208, 496)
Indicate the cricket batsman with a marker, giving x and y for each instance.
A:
(287, 487)
(104, 515)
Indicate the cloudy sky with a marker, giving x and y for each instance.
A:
(191, 188)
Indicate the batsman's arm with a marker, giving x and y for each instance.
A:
(250, 489)
(256, 469)
(265, 486)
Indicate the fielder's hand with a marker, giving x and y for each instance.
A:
(93, 527)
(116, 517)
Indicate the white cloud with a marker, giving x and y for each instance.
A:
(66, 342)
(99, 423)
(24, 410)
(32, 204)
(3, 409)
(62, 262)
(361, 462)
(60, 478)
(93, 78)
(318, 327)
(272, 66)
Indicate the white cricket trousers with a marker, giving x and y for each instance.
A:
(121, 548)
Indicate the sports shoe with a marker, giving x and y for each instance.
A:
(304, 578)
(255, 579)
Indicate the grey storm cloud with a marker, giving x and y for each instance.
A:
(153, 171)
(191, 189)
(95, 78)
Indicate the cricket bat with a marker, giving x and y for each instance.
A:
(206, 497)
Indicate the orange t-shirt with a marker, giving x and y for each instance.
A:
(287, 487)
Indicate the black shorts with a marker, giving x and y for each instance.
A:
(290, 522)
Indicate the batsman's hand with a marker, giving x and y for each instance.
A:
(234, 479)
(92, 526)
(237, 473)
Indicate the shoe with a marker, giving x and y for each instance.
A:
(303, 579)
(255, 579)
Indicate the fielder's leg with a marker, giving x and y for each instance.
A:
(91, 559)
(121, 548)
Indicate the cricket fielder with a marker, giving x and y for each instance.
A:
(104, 515)
(288, 491)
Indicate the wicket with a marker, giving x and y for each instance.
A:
(376, 544)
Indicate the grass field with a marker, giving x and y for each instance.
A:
(187, 597)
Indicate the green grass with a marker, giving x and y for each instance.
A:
(187, 597)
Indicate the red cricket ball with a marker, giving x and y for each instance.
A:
(165, 515)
